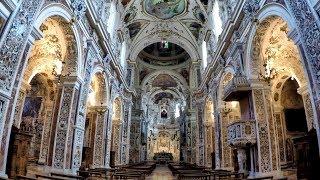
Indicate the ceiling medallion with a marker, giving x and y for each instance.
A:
(165, 9)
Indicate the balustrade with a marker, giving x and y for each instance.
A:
(241, 133)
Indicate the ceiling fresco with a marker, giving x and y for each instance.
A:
(165, 9)
(162, 95)
(164, 81)
(164, 54)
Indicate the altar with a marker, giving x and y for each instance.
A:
(163, 157)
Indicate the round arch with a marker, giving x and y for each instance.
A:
(266, 12)
(57, 9)
(151, 38)
(169, 72)
(100, 70)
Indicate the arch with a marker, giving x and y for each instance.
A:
(174, 93)
(60, 10)
(152, 38)
(266, 12)
(100, 70)
(169, 72)
(266, 46)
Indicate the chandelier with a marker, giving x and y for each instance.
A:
(101, 109)
(226, 109)
(269, 73)
(57, 73)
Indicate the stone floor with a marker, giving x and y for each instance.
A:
(161, 173)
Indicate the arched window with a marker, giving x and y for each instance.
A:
(217, 19)
(123, 54)
(177, 111)
(112, 18)
(204, 54)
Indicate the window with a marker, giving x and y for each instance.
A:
(204, 54)
(112, 18)
(123, 54)
(177, 111)
(217, 20)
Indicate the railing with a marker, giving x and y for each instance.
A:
(242, 133)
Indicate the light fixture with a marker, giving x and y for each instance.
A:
(101, 109)
(56, 71)
(226, 109)
(269, 73)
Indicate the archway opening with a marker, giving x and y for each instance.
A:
(33, 129)
(276, 60)
(293, 107)
(96, 110)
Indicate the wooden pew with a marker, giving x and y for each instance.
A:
(264, 177)
(42, 176)
(20, 177)
(69, 176)
(129, 174)
(225, 174)
(194, 176)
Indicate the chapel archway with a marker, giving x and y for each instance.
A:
(96, 119)
(277, 61)
(52, 58)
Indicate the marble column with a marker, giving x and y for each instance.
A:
(100, 138)
(108, 138)
(135, 139)
(268, 150)
(62, 152)
(126, 134)
(192, 128)
(200, 134)
(226, 160)
(80, 115)
(208, 144)
(281, 133)
(45, 137)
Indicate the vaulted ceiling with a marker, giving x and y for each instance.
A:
(179, 21)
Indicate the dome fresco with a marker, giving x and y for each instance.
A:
(164, 54)
(165, 9)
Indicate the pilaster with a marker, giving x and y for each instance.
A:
(99, 149)
(268, 152)
(62, 153)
